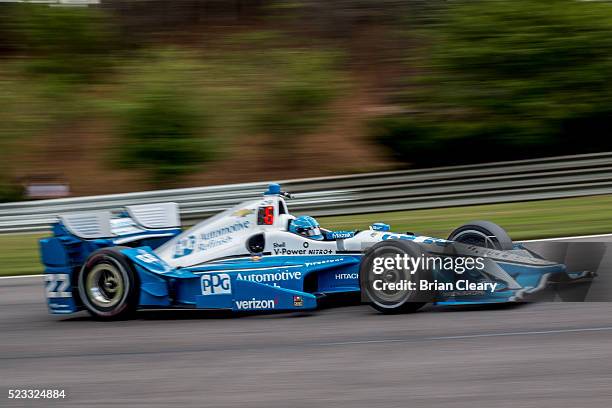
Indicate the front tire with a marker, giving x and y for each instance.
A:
(108, 285)
(393, 301)
(483, 234)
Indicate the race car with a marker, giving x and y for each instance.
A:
(256, 256)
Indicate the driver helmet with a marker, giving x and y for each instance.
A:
(307, 227)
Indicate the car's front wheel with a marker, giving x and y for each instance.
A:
(381, 285)
(108, 285)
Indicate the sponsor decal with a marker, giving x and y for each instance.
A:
(255, 304)
(54, 305)
(209, 239)
(415, 238)
(226, 230)
(243, 212)
(380, 226)
(340, 234)
(216, 284)
(152, 261)
(327, 261)
(146, 257)
(184, 246)
(270, 277)
(213, 243)
(122, 222)
(320, 251)
(280, 248)
(345, 276)
(124, 226)
(298, 301)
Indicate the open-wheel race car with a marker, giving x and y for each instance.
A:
(256, 256)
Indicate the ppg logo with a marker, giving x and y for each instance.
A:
(217, 284)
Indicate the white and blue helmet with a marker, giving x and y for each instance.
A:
(306, 226)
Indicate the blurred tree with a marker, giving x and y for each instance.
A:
(184, 108)
(52, 55)
(70, 44)
(162, 134)
(342, 18)
(504, 79)
(298, 100)
(9, 190)
(163, 129)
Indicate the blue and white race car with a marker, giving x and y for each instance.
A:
(257, 257)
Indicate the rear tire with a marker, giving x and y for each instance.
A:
(108, 285)
(483, 234)
(396, 301)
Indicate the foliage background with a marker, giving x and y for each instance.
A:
(506, 80)
(155, 94)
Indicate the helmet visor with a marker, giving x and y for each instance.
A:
(312, 232)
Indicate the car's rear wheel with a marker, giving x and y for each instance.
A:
(108, 285)
(483, 234)
(376, 286)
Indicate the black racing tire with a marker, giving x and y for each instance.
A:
(109, 285)
(483, 234)
(398, 301)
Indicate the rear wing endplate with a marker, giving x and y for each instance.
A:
(97, 224)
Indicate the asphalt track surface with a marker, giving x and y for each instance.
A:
(529, 355)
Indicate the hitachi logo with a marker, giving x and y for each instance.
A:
(344, 276)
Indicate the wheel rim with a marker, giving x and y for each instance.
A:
(478, 238)
(104, 285)
(388, 297)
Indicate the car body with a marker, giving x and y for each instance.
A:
(243, 259)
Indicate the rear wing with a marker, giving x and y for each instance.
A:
(144, 218)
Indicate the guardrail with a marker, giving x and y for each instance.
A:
(535, 179)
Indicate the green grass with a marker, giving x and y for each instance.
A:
(533, 219)
(524, 220)
(19, 254)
